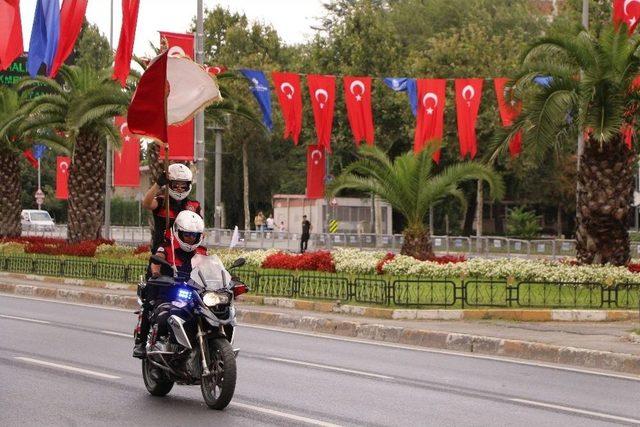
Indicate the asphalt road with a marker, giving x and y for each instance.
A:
(66, 364)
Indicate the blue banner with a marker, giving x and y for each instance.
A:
(44, 35)
(404, 84)
(260, 89)
(38, 150)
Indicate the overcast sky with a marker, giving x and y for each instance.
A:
(291, 18)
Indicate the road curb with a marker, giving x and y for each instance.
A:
(522, 315)
(618, 362)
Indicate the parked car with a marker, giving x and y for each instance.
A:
(33, 219)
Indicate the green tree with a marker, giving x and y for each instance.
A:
(523, 223)
(411, 186)
(92, 48)
(77, 115)
(590, 93)
(231, 40)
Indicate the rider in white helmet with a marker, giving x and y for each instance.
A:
(178, 178)
(184, 241)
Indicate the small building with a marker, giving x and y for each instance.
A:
(353, 214)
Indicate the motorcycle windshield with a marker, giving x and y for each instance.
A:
(209, 272)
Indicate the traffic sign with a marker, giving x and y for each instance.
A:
(334, 202)
(39, 196)
(333, 226)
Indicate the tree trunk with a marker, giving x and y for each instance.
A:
(417, 243)
(86, 188)
(559, 221)
(604, 198)
(245, 184)
(10, 191)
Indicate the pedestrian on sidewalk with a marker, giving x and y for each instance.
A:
(271, 223)
(306, 233)
(259, 221)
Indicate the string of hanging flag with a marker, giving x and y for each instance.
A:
(427, 98)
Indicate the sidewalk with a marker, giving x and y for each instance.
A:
(601, 345)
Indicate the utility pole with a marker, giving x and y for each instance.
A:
(199, 123)
(217, 196)
(108, 174)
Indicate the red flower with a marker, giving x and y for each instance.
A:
(388, 257)
(309, 261)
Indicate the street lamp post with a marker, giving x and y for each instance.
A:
(108, 181)
(199, 121)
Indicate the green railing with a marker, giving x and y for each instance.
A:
(365, 289)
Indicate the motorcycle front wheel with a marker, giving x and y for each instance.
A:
(155, 380)
(218, 387)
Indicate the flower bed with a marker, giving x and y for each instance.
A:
(51, 246)
(354, 262)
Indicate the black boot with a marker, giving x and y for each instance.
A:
(140, 347)
(140, 350)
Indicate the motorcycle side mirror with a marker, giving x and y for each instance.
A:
(238, 263)
(155, 259)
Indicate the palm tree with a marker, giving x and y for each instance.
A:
(79, 111)
(410, 186)
(11, 145)
(589, 93)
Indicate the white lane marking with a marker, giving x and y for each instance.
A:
(101, 307)
(448, 352)
(67, 368)
(330, 368)
(284, 415)
(118, 334)
(25, 319)
(577, 411)
(380, 344)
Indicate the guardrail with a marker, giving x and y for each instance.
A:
(413, 292)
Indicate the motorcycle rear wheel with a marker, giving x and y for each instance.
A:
(156, 387)
(218, 388)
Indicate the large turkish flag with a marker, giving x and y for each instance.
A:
(126, 161)
(180, 136)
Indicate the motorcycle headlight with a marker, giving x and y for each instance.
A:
(211, 299)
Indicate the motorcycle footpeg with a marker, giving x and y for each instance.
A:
(236, 351)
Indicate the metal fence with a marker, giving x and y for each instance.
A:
(410, 292)
(492, 246)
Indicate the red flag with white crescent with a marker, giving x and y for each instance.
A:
(10, 32)
(510, 109)
(357, 96)
(290, 97)
(468, 95)
(322, 89)
(214, 70)
(627, 12)
(430, 114)
(180, 136)
(315, 171)
(62, 177)
(126, 161)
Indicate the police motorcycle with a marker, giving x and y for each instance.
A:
(192, 330)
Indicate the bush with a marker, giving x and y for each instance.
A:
(11, 248)
(309, 261)
(523, 224)
(114, 251)
(83, 249)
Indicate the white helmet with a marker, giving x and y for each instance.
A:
(188, 223)
(179, 173)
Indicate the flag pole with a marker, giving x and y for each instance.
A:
(199, 119)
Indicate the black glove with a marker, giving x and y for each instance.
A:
(162, 180)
